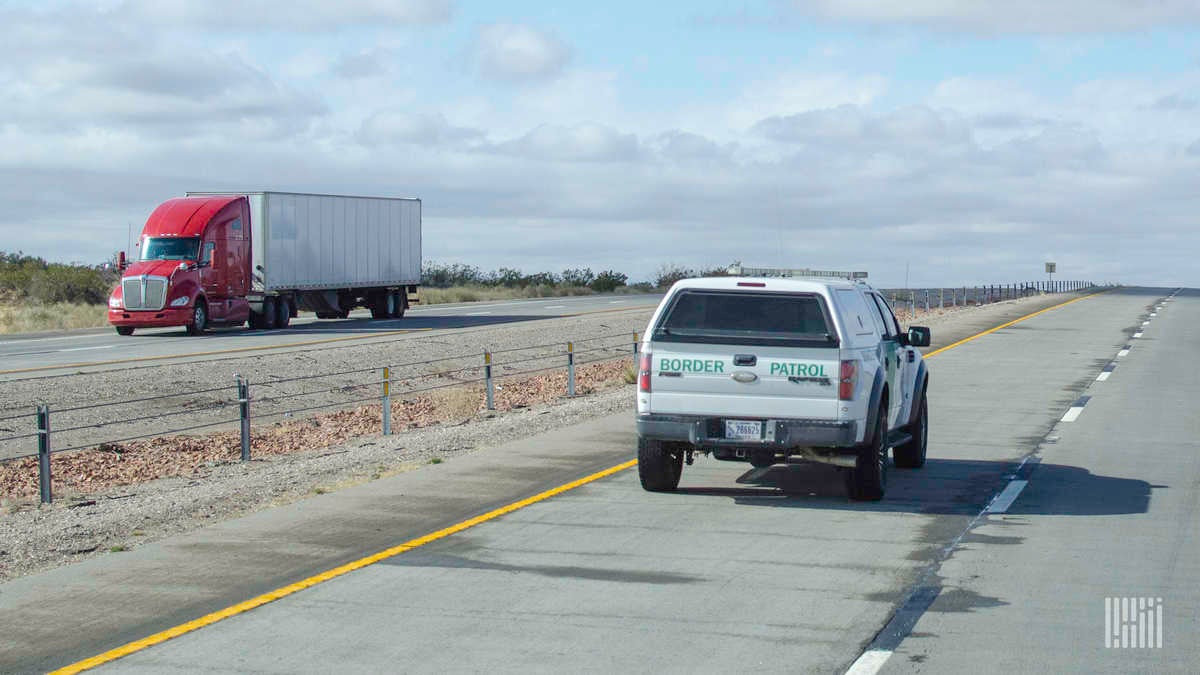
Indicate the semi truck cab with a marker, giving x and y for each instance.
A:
(192, 269)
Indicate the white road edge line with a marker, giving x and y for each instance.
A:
(1137, 335)
(1103, 376)
(1145, 323)
(870, 662)
(1006, 498)
(1123, 352)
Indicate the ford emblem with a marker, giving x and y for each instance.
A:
(744, 376)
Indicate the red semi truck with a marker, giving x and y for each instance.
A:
(260, 257)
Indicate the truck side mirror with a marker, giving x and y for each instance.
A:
(121, 264)
(918, 336)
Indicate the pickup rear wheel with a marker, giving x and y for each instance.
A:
(659, 465)
(867, 481)
(124, 330)
(911, 455)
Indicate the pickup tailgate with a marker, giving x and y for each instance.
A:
(749, 354)
(744, 381)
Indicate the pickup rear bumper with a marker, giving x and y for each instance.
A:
(708, 432)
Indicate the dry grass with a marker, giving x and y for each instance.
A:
(30, 317)
(439, 296)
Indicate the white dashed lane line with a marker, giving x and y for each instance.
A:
(1137, 335)
(1006, 498)
(1125, 350)
(1076, 409)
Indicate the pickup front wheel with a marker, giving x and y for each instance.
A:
(659, 465)
(911, 455)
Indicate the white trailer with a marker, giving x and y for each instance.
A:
(331, 253)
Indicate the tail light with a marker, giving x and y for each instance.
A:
(644, 373)
(847, 380)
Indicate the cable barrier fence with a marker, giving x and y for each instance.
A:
(54, 429)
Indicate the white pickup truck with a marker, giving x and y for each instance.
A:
(761, 370)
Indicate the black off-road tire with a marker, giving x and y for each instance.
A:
(124, 330)
(867, 481)
(199, 318)
(911, 455)
(659, 465)
(399, 304)
(283, 313)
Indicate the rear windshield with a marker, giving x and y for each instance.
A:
(739, 317)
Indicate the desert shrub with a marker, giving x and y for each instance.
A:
(670, 273)
(608, 281)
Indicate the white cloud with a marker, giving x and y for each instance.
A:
(517, 52)
(793, 92)
(1020, 16)
(405, 127)
(579, 143)
(286, 15)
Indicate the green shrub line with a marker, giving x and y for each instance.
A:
(31, 280)
(25, 278)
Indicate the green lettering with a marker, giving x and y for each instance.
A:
(719, 367)
(776, 368)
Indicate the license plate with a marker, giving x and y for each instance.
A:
(744, 430)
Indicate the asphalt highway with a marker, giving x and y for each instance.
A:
(46, 353)
(1050, 487)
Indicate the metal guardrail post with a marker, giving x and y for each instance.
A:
(244, 409)
(926, 301)
(43, 424)
(941, 298)
(636, 348)
(571, 369)
(387, 401)
(487, 376)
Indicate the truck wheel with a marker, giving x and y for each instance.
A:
(379, 306)
(199, 318)
(867, 481)
(124, 330)
(659, 465)
(911, 455)
(269, 314)
(399, 304)
(283, 313)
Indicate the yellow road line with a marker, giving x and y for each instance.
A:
(1006, 325)
(241, 607)
(245, 606)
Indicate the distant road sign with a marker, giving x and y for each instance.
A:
(1050, 268)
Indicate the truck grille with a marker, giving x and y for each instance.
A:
(144, 292)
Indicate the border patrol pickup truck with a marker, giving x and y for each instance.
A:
(762, 370)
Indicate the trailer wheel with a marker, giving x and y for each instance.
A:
(124, 330)
(399, 304)
(283, 315)
(379, 305)
(268, 313)
(199, 318)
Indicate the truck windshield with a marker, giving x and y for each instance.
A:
(746, 318)
(171, 248)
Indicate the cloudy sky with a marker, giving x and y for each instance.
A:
(971, 140)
